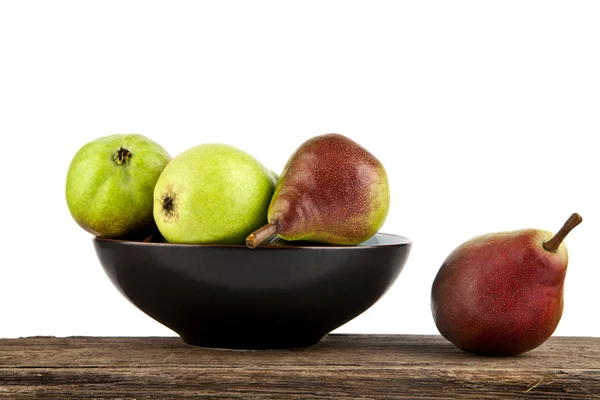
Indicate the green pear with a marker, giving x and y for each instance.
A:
(273, 176)
(110, 184)
(212, 194)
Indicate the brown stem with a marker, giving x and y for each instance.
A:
(261, 235)
(553, 244)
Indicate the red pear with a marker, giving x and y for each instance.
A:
(332, 190)
(502, 293)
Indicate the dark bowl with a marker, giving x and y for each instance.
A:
(266, 298)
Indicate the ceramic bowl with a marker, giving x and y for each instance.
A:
(270, 297)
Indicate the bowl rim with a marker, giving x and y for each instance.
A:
(402, 241)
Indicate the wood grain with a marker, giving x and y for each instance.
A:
(339, 367)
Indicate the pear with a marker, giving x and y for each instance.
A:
(212, 194)
(110, 184)
(331, 190)
(502, 293)
(273, 176)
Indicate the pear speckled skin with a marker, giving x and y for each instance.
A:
(500, 294)
(332, 190)
(212, 194)
(112, 199)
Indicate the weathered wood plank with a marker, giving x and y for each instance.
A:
(340, 367)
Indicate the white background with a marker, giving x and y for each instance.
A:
(485, 115)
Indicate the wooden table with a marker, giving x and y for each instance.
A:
(340, 367)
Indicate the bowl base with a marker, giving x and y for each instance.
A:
(242, 342)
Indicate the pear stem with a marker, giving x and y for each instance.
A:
(553, 244)
(261, 235)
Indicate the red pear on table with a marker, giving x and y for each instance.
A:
(502, 293)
